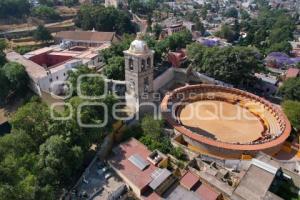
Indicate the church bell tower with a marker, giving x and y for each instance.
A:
(138, 73)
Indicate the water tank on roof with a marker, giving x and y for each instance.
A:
(65, 44)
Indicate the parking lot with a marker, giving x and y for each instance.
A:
(98, 184)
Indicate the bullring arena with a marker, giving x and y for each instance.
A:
(225, 122)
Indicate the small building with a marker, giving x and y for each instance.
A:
(85, 38)
(212, 41)
(267, 83)
(173, 25)
(281, 60)
(177, 58)
(138, 167)
(48, 67)
(256, 182)
(292, 73)
(192, 183)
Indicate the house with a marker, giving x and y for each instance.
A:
(292, 73)
(267, 83)
(139, 169)
(177, 58)
(281, 60)
(256, 182)
(48, 67)
(85, 38)
(191, 182)
(146, 175)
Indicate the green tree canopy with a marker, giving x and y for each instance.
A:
(104, 19)
(115, 69)
(42, 34)
(227, 33)
(152, 127)
(232, 12)
(46, 13)
(14, 8)
(2, 54)
(292, 110)
(17, 77)
(235, 65)
(116, 49)
(290, 89)
(36, 124)
(272, 26)
(58, 159)
(5, 87)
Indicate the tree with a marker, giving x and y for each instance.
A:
(232, 12)
(115, 68)
(284, 46)
(47, 2)
(290, 89)
(292, 110)
(58, 160)
(92, 86)
(227, 33)
(5, 87)
(17, 77)
(235, 65)
(70, 3)
(16, 167)
(200, 27)
(272, 26)
(14, 8)
(36, 124)
(42, 34)
(152, 127)
(157, 29)
(204, 13)
(116, 49)
(178, 153)
(142, 7)
(104, 19)
(2, 54)
(89, 85)
(46, 13)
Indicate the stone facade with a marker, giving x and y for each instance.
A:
(138, 74)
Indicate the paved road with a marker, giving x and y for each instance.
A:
(141, 22)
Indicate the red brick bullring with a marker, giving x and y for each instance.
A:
(271, 146)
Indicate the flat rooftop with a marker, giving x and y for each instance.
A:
(254, 185)
(120, 161)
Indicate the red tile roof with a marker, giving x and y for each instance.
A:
(189, 180)
(206, 192)
(86, 35)
(292, 73)
(120, 162)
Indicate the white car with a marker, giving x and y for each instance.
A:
(107, 176)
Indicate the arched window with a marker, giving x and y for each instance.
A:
(148, 62)
(130, 63)
(143, 65)
(146, 84)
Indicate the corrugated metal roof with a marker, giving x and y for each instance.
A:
(265, 166)
(138, 161)
(160, 176)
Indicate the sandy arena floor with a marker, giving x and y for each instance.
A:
(222, 121)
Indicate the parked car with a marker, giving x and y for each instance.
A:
(108, 175)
